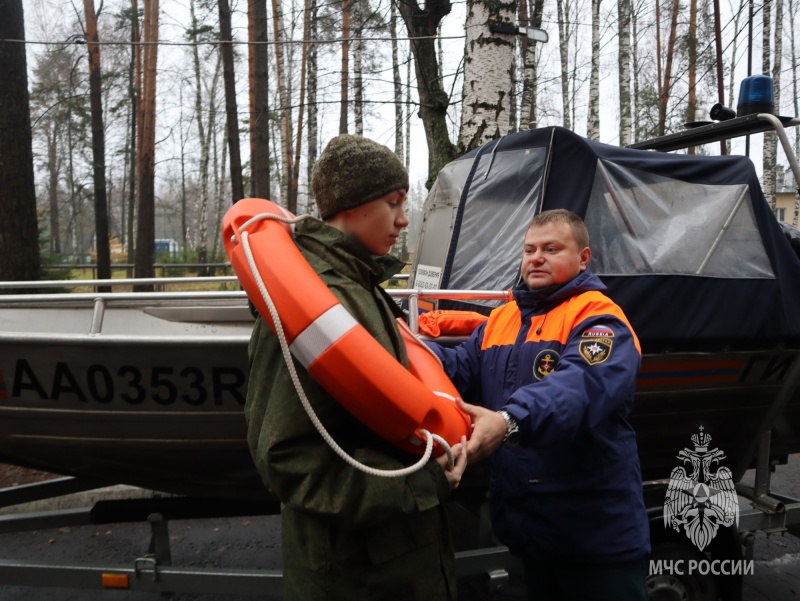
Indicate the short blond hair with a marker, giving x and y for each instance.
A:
(576, 224)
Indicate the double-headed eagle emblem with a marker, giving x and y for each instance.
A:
(704, 500)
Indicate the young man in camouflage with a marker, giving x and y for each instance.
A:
(348, 535)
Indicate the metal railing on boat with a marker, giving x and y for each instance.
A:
(102, 299)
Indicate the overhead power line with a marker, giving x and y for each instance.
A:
(81, 41)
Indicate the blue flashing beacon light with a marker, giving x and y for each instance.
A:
(756, 96)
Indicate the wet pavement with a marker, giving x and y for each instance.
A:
(254, 542)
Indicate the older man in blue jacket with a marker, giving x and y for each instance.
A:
(555, 372)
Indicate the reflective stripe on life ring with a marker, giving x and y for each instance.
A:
(321, 333)
(336, 350)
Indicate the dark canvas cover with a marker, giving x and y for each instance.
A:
(686, 244)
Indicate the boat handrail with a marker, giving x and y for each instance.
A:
(68, 297)
(100, 301)
(221, 279)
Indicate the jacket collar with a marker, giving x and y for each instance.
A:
(546, 298)
(345, 254)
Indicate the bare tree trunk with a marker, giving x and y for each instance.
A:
(184, 228)
(488, 87)
(259, 100)
(134, 91)
(407, 161)
(398, 84)
(220, 208)
(732, 79)
(421, 25)
(52, 188)
(573, 78)
(528, 108)
(202, 202)
(231, 111)
(284, 98)
(777, 61)
(205, 153)
(624, 17)
(770, 140)
(663, 98)
(691, 44)
(593, 118)
(19, 232)
(312, 104)
(358, 66)
(98, 147)
(295, 174)
(345, 65)
(145, 226)
(659, 50)
(563, 48)
(636, 104)
(723, 147)
(795, 105)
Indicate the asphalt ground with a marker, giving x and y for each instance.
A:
(254, 543)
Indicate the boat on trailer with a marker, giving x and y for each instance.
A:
(148, 388)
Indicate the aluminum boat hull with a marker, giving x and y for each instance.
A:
(155, 399)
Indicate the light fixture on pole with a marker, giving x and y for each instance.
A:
(532, 33)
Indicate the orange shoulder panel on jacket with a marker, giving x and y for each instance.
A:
(502, 327)
(555, 325)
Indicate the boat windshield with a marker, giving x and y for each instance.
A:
(642, 223)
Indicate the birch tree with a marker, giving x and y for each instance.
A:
(593, 117)
(345, 66)
(284, 96)
(311, 93)
(357, 23)
(488, 84)
(294, 181)
(795, 101)
(562, 9)
(624, 20)
(691, 45)
(397, 83)
(530, 54)
(204, 128)
(770, 140)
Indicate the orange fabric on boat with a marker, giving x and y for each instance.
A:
(338, 352)
(455, 323)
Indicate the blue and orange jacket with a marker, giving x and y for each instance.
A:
(563, 363)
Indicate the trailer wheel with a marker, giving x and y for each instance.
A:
(674, 586)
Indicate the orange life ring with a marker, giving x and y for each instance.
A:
(337, 351)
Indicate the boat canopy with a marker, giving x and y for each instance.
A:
(686, 244)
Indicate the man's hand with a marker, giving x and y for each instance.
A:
(454, 473)
(489, 430)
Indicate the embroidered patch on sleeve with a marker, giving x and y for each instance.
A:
(595, 350)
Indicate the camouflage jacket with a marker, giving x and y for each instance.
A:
(336, 519)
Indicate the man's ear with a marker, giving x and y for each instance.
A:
(585, 255)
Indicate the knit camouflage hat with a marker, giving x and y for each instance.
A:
(352, 171)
